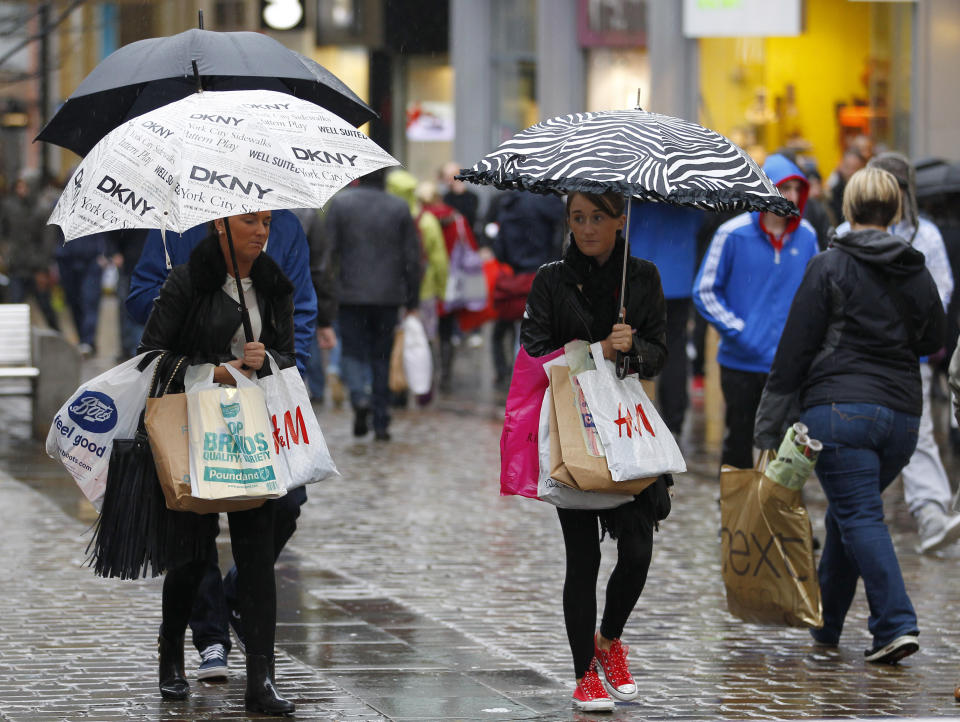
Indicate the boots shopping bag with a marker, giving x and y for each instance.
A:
(105, 408)
(635, 439)
(231, 450)
(766, 544)
(519, 464)
(297, 438)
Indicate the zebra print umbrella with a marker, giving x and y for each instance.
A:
(648, 156)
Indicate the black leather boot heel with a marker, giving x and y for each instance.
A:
(173, 681)
(261, 694)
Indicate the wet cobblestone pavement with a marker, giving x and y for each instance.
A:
(411, 590)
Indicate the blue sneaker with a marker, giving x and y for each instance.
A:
(213, 663)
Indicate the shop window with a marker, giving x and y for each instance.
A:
(515, 68)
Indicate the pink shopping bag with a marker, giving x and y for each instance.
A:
(519, 461)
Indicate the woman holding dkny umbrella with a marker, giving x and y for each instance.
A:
(577, 298)
(197, 316)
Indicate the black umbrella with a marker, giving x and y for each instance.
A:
(147, 74)
(937, 177)
(648, 156)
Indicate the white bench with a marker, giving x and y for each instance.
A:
(16, 362)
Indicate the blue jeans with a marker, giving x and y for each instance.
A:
(366, 333)
(864, 448)
(80, 279)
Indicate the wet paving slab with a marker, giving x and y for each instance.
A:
(411, 590)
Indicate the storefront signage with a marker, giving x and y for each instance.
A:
(740, 18)
(612, 23)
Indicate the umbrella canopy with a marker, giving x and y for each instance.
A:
(214, 154)
(147, 74)
(937, 177)
(649, 156)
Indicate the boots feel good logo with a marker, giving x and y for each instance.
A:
(94, 412)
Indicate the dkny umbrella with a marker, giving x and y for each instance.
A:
(210, 155)
(148, 74)
(647, 156)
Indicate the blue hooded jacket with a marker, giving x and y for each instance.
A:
(287, 245)
(748, 278)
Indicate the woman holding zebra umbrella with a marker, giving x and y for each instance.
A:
(596, 291)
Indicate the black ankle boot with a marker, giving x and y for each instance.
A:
(173, 681)
(261, 695)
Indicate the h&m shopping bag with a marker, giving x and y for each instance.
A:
(105, 408)
(556, 492)
(297, 438)
(635, 439)
(231, 449)
(766, 544)
(519, 462)
(577, 458)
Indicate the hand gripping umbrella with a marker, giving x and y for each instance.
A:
(647, 156)
(210, 155)
(147, 74)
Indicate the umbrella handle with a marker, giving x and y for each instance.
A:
(244, 312)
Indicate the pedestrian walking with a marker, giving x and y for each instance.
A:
(458, 196)
(576, 298)
(926, 487)
(866, 310)
(374, 245)
(529, 235)
(744, 288)
(29, 248)
(667, 237)
(217, 608)
(197, 315)
(81, 263)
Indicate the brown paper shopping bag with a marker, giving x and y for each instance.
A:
(766, 540)
(571, 462)
(166, 422)
(397, 378)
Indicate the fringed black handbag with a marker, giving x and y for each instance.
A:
(130, 535)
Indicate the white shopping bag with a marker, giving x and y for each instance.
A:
(297, 438)
(417, 359)
(231, 447)
(636, 440)
(103, 409)
(551, 490)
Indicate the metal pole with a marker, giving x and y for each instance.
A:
(244, 313)
(622, 365)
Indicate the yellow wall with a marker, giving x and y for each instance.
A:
(826, 65)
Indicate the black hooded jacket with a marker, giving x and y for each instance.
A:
(574, 298)
(866, 310)
(193, 316)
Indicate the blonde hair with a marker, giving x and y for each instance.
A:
(872, 198)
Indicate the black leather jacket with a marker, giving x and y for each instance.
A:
(558, 312)
(194, 317)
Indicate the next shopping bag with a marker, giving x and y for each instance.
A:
(766, 544)
(297, 438)
(635, 439)
(231, 446)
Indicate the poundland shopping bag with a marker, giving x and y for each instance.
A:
(635, 439)
(297, 438)
(231, 449)
(766, 544)
(103, 409)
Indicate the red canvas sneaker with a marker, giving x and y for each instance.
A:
(616, 672)
(590, 696)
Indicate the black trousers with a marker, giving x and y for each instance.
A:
(741, 393)
(672, 396)
(252, 540)
(209, 621)
(581, 537)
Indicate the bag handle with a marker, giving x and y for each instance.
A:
(241, 379)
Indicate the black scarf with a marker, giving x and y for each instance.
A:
(600, 284)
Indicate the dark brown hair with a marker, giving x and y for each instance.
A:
(611, 203)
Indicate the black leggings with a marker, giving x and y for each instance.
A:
(581, 537)
(251, 539)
